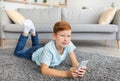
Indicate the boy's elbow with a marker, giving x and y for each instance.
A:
(44, 71)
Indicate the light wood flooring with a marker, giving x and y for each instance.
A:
(109, 48)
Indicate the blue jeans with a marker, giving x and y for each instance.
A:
(21, 52)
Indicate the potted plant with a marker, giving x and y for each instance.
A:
(44, 1)
(84, 7)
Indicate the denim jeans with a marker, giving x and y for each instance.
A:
(21, 52)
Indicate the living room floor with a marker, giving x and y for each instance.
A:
(109, 48)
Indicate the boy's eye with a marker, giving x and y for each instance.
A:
(69, 35)
(62, 35)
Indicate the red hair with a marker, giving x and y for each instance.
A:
(61, 26)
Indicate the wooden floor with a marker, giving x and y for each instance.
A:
(109, 48)
(99, 47)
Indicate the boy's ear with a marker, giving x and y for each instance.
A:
(53, 36)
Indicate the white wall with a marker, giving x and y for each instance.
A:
(92, 3)
(70, 4)
(12, 5)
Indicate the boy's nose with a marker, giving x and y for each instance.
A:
(65, 38)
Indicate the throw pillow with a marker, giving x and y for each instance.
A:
(107, 16)
(15, 16)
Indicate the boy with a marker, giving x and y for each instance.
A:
(53, 53)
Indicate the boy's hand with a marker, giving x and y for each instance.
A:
(72, 72)
(81, 72)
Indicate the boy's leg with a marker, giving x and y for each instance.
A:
(35, 46)
(30, 51)
(34, 35)
(19, 50)
(35, 40)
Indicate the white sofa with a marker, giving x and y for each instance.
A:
(84, 24)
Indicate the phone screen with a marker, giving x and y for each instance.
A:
(82, 64)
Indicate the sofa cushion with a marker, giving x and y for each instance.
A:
(19, 28)
(81, 16)
(94, 28)
(13, 28)
(15, 16)
(107, 16)
(42, 15)
(48, 28)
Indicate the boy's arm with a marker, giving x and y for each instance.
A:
(73, 59)
(56, 73)
(75, 64)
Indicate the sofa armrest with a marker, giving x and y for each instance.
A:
(116, 21)
(4, 20)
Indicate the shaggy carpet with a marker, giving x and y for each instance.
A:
(99, 68)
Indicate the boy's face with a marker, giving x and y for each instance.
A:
(62, 38)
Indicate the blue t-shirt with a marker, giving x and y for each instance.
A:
(49, 54)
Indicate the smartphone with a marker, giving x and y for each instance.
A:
(82, 64)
